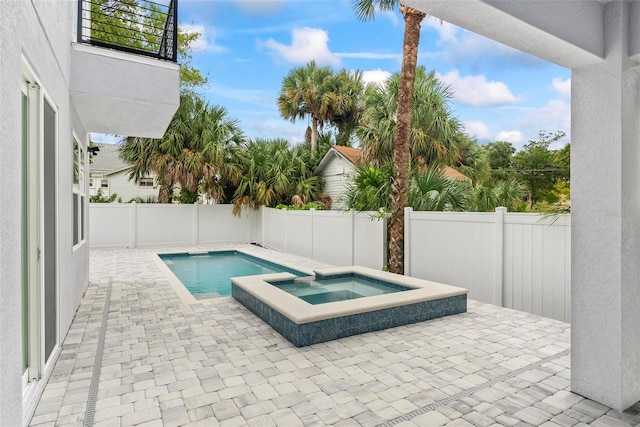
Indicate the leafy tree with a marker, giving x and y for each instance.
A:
(537, 170)
(100, 198)
(500, 154)
(366, 10)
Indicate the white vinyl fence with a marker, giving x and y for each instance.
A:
(338, 238)
(146, 224)
(520, 261)
(515, 260)
(334, 237)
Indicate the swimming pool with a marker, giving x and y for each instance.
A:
(208, 274)
(304, 323)
(341, 288)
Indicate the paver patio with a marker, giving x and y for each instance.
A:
(214, 363)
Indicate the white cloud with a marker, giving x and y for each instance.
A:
(307, 44)
(563, 87)
(446, 31)
(476, 90)
(512, 136)
(206, 42)
(478, 129)
(376, 76)
(552, 117)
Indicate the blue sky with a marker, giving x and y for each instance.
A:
(248, 46)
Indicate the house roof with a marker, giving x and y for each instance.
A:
(451, 173)
(352, 155)
(107, 160)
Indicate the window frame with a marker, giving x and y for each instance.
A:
(79, 184)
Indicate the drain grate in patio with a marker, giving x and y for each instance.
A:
(97, 364)
(469, 392)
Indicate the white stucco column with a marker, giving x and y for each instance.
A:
(605, 198)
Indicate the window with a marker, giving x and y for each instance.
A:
(104, 183)
(79, 196)
(145, 182)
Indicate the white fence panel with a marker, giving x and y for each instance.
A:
(457, 250)
(111, 225)
(519, 261)
(273, 229)
(164, 224)
(142, 224)
(537, 264)
(217, 223)
(299, 235)
(333, 237)
(369, 241)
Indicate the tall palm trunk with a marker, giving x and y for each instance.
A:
(314, 135)
(400, 181)
(165, 192)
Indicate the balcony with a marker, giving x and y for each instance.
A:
(124, 75)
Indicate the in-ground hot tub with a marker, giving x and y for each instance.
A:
(344, 301)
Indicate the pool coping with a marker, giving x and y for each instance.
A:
(300, 311)
(183, 293)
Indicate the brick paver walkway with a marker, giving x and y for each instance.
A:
(214, 363)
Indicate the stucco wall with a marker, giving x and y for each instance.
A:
(41, 32)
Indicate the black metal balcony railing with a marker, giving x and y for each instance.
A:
(135, 26)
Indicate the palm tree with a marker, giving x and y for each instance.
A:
(370, 188)
(435, 134)
(199, 151)
(210, 158)
(304, 93)
(273, 174)
(347, 104)
(432, 191)
(486, 198)
(366, 10)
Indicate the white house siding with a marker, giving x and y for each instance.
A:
(336, 175)
(126, 190)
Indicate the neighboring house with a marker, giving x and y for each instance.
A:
(336, 169)
(338, 166)
(55, 88)
(109, 174)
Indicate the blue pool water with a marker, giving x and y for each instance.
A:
(208, 275)
(344, 287)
